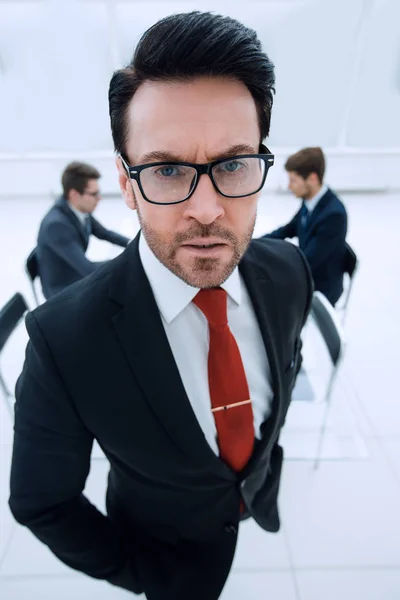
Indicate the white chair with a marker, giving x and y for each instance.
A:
(328, 323)
(350, 267)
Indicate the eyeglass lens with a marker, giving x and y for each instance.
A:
(167, 183)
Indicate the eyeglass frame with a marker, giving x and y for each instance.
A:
(93, 194)
(201, 169)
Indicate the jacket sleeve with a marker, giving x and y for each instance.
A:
(107, 235)
(50, 464)
(329, 234)
(66, 245)
(287, 231)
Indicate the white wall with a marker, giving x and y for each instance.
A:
(337, 79)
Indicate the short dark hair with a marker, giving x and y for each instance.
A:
(76, 176)
(188, 45)
(307, 161)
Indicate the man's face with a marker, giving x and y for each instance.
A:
(197, 122)
(88, 201)
(298, 185)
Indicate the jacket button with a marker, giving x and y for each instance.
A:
(232, 529)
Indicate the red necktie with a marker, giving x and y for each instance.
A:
(229, 391)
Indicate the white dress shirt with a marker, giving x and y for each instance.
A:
(312, 203)
(81, 215)
(187, 331)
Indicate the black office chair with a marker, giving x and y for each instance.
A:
(326, 319)
(350, 266)
(32, 271)
(10, 315)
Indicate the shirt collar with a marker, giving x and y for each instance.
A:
(81, 215)
(311, 204)
(171, 293)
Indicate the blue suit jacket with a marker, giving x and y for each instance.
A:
(61, 246)
(322, 239)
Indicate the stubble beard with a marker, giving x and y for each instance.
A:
(203, 272)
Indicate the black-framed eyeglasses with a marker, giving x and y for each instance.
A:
(175, 182)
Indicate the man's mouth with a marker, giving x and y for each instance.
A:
(204, 245)
(203, 248)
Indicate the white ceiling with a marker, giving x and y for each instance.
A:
(337, 69)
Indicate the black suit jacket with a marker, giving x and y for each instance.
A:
(322, 240)
(61, 246)
(105, 371)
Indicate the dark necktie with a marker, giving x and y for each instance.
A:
(229, 391)
(305, 215)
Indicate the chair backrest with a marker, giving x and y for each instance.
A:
(31, 265)
(328, 324)
(10, 315)
(350, 261)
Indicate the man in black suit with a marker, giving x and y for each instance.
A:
(65, 231)
(320, 224)
(179, 357)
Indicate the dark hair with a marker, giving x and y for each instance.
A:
(76, 176)
(307, 161)
(189, 45)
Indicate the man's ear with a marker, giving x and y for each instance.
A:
(73, 196)
(125, 185)
(313, 179)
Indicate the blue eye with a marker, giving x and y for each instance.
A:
(168, 171)
(231, 167)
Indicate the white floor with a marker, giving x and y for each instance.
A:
(341, 524)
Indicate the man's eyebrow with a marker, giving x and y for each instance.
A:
(159, 156)
(234, 151)
(167, 156)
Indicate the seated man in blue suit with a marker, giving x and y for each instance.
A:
(320, 224)
(65, 230)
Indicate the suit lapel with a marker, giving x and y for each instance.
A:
(141, 334)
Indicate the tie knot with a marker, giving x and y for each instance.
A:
(213, 304)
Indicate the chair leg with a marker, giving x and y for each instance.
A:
(324, 423)
(344, 309)
(7, 395)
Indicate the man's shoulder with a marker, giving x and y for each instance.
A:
(55, 217)
(285, 267)
(78, 308)
(335, 204)
(279, 261)
(272, 254)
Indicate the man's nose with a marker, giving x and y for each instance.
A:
(205, 204)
